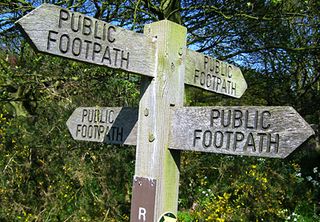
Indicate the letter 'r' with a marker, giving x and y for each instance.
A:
(142, 214)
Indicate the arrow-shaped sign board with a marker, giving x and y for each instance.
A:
(250, 131)
(214, 75)
(55, 30)
(113, 125)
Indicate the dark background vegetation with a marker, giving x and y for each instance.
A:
(47, 176)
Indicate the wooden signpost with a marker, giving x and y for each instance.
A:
(114, 125)
(153, 158)
(161, 127)
(214, 75)
(55, 30)
(251, 131)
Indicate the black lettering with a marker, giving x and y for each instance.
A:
(213, 81)
(275, 143)
(67, 43)
(124, 59)
(228, 139)
(230, 71)
(90, 116)
(96, 49)
(78, 129)
(207, 139)
(262, 136)
(84, 114)
(233, 89)
(211, 64)
(119, 136)
(206, 61)
(223, 69)
(77, 28)
(196, 137)
(208, 80)
(215, 114)
(218, 142)
(64, 16)
(229, 83)
(237, 118)
(196, 75)
(106, 55)
(103, 117)
(104, 32)
(111, 119)
(263, 114)
(96, 29)
(96, 132)
(83, 131)
(224, 116)
(50, 39)
(86, 26)
(238, 137)
(250, 142)
(110, 29)
(223, 87)
(217, 67)
(218, 83)
(101, 130)
(255, 125)
(202, 78)
(96, 115)
(110, 134)
(87, 47)
(254, 121)
(116, 56)
(90, 131)
(76, 46)
(107, 138)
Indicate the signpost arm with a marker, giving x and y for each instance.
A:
(153, 158)
(161, 53)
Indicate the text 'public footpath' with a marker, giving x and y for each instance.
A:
(93, 41)
(235, 131)
(216, 76)
(98, 124)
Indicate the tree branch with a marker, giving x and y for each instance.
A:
(269, 48)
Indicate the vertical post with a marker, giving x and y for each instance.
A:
(153, 158)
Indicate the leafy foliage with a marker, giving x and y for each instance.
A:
(47, 175)
(250, 189)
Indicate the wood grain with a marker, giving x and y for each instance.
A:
(153, 158)
(213, 75)
(250, 131)
(54, 30)
(112, 125)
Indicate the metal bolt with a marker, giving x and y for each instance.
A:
(146, 112)
(151, 137)
(172, 66)
(154, 38)
(180, 52)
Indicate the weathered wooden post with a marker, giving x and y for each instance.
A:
(164, 126)
(154, 160)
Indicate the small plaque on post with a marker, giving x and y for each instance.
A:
(143, 199)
